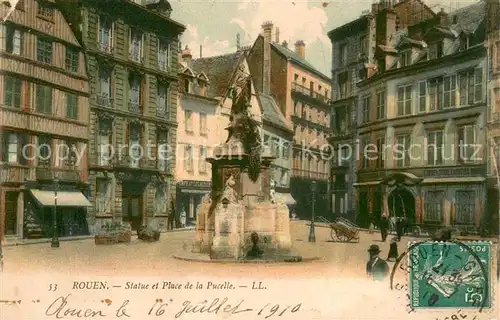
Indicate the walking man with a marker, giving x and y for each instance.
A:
(384, 226)
(171, 215)
(376, 267)
(399, 228)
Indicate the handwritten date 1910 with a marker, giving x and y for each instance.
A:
(217, 306)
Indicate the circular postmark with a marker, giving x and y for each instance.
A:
(447, 274)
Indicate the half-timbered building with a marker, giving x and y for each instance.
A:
(44, 119)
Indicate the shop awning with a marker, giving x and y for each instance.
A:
(454, 180)
(368, 183)
(64, 198)
(286, 198)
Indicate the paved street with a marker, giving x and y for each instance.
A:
(83, 256)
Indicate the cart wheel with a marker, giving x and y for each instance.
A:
(342, 237)
(333, 234)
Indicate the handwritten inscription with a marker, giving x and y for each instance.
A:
(63, 307)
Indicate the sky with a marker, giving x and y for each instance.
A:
(213, 24)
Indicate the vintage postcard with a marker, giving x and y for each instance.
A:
(251, 159)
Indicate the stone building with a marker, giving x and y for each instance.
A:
(303, 96)
(353, 59)
(204, 106)
(44, 119)
(131, 52)
(423, 115)
(493, 46)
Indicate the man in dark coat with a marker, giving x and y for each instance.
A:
(171, 215)
(376, 267)
(399, 228)
(384, 226)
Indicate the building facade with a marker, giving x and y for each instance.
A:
(131, 49)
(44, 119)
(422, 115)
(303, 96)
(353, 59)
(493, 46)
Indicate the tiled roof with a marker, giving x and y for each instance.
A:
(295, 58)
(219, 70)
(468, 18)
(271, 111)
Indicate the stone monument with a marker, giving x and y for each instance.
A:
(240, 218)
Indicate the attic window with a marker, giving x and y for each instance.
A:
(405, 58)
(435, 50)
(464, 42)
(455, 19)
(187, 85)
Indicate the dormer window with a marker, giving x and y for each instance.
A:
(405, 59)
(464, 42)
(435, 50)
(187, 85)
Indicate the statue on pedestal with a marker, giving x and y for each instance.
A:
(229, 192)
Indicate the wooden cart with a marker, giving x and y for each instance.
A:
(344, 230)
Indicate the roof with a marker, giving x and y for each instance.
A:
(298, 60)
(468, 18)
(219, 70)
(271, 111)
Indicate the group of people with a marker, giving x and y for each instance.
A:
(384, 225)
(175, 220)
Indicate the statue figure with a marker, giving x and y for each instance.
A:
(272, 191)
(243, 128)
(229, 192)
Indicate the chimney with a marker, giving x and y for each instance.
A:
(300, 49)
(267, 28)
(386, 26)
(187, 57)
(441, 17)
(285, 44)
(277, 35)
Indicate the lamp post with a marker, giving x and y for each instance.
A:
(55, 240)
(312, 235)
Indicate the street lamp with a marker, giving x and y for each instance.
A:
(312, 235)
(55, 240)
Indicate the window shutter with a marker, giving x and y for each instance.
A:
(142, 94)
(130, 46)
(111, 35)
(142, 46)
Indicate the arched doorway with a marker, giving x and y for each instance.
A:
(401, 203)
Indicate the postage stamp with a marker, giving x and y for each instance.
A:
(450, 275)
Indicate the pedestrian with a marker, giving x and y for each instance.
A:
(384, 226)
(183, 218)
(393, 250)
(399, 228)
(171, 215)
(376, 267)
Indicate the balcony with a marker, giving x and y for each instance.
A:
(138, 162)
(14, 173)
(161, 112)
(164, 65)
(136, 57)
(65, 173)
(104, 101)
(134, 107)
(307, 92)
(105, 47)
(306, 174)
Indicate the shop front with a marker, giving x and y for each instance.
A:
(189, 195)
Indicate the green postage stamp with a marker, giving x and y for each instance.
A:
(450, 275)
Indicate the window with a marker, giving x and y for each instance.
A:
(72, 59)
(478, 85)
(187, 85)
(435, 148)
(464, 42)
(365, 154)
(162, 100)
(436, 94)
(105, 142)
(105, 35)
(450, 86)
(134, 101)
(202, 160)
(465, 207)
(403, 150)
(43, 99)
(203, 124)
(188, 125)
(471, 86)
(404, 100)
(380, 152)
(433, 208)
(163, 55)
(12, 92)
(72, 106)
(365, 109)
(14, 40)
(422, 96)
(161, 199)
(11, 148)
(45, 11)
(381, 104)
(286, 150)
(363, 45)
(297, 108)
(44, 150)
(405, 59)
(134, 144)
(163, 150)
(136, 41)
(466, 144)
(44, 50)
(103, 196)
(435, 50)
(295, 77)
(342, 81)
(342, 54)
(275, 147)
(497, 68)
(188, 158)
(340, 120)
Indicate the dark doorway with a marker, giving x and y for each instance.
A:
(492, 217)
(11, 212)
(401, 203)
(132, 204)
(362, 218)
